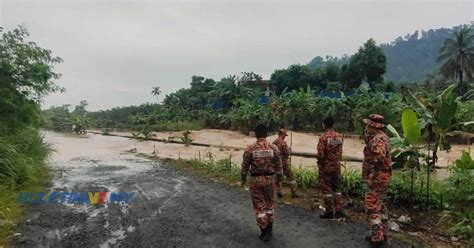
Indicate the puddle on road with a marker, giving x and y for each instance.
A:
(95, 164)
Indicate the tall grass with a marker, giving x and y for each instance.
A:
(22, 168)
(21, 158)
(306, 178)
(351, 183)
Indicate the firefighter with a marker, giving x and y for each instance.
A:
(262, 159)
(376, 172)
(285, 159)
(329, 163)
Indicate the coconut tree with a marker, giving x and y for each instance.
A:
(156, 91)
(457, 57)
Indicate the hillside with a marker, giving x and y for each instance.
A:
(409, 58)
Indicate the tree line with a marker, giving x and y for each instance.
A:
(300, 99)
(410, 58)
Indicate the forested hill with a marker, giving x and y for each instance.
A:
(409, 58)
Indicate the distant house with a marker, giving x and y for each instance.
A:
(269, 86)
(265, 84)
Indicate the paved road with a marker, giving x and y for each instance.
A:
(171, 208)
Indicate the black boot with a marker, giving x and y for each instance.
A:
(326, 215)
(268, 234)
(270, 229)
(263, 233)
(378, 244)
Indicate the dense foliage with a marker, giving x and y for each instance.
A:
(26, 71)
(242, 109)
(457, 56)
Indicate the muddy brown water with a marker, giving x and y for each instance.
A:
(301, 142)
(170, 208)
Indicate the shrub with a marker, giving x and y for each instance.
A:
(306, 178)
(351, 183)
(186, 139)
(464, 225)
(21, 157)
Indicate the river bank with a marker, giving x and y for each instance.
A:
(224, 144)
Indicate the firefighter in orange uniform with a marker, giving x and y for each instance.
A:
(285, 152)
(263, 161)
(329, 164)
(376, 171)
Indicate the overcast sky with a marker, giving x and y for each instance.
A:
(115, 51)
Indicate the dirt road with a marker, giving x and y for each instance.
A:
(170, 208)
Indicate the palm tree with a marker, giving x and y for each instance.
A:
(155, 91)
(457, 56)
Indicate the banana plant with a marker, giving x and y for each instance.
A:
(406, 148)
(438, 117)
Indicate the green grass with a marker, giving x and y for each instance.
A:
(22, 168)
(11, 213)
(305, 178)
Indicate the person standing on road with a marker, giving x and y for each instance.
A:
(263, 161)
(285, 151)
(376, 172)
(329, 163)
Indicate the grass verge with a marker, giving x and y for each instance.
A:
(11, 212)
(22, 168)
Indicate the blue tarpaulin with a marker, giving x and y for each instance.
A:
(264, 100)
(336, 94)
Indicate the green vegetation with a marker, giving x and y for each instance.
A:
(367, 65)
(457, 55)
(297, 97)
(409, 59)
(186, 139)
(61, 119)
(26, 71)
